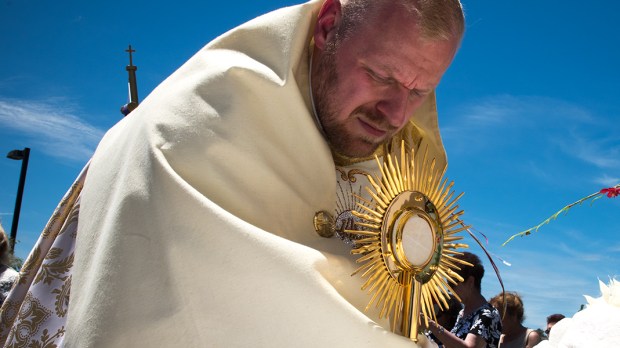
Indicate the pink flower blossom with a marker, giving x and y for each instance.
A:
(611, 191)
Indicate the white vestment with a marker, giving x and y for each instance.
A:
(196, 220)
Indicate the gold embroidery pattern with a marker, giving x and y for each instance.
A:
(30, 265)
(54, 270)
(347, 199)
(34, 313)
(8, 314)
(62, 298)
(37, 316)
(350, 175)
(59, 217)
(31, 315)
(72, 218)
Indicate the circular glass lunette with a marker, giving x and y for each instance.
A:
(412, 236)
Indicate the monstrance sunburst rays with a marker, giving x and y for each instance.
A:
(409, 240)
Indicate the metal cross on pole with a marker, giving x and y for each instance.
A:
(130, 50)
(133, 85)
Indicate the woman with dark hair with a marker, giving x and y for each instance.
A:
(446, 317)
(552, 320)
(478, 325)
(514, 334)
(8, 276)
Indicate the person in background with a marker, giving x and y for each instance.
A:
(447, 317)
(478, 325)
(8, 276)
(514, 334)
(552, 320)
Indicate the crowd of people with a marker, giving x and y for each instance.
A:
(496, 323)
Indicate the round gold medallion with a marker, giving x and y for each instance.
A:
(324, 224)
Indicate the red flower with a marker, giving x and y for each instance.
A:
(611, 191)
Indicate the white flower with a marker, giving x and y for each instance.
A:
(610, 294)
(598, 325)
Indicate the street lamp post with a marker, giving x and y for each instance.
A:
(23, 156)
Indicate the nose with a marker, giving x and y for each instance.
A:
(396, 107)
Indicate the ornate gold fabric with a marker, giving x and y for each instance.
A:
(35, 312)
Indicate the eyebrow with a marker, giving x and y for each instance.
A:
(388, 70)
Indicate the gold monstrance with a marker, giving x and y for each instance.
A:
(408, 240)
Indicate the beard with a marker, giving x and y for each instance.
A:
(340, 138)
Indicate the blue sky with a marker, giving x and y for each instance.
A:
(529, 115)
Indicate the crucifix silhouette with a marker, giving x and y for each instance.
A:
(130, 50)
(132, 84)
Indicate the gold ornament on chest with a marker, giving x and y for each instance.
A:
(405, 235)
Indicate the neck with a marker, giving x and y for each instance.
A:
(473, 302)
(513, 331)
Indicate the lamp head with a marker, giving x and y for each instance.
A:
(16, 155)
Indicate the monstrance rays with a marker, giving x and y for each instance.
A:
(407, 239)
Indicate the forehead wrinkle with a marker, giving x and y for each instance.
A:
(410, 85)
(414, 68)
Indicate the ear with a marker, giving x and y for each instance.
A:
(327, 23)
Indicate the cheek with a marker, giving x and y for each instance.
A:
(355, 90)
(346, 100)
(358, 95)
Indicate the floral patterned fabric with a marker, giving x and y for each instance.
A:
(35, 311)
(484, 322)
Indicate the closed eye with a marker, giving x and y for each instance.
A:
(414, 93)
(390, 81)
(378, 78)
